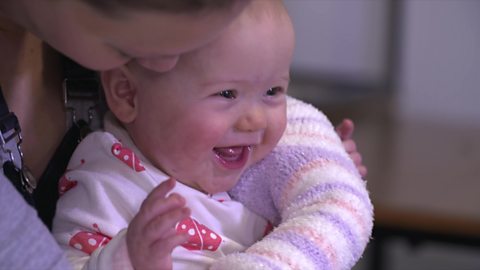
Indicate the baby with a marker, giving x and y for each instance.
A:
(214, 118)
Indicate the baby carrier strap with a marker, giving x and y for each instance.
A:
(81, 99)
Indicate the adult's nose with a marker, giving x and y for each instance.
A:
(159, 63)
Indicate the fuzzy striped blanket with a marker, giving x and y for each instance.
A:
(310, 189)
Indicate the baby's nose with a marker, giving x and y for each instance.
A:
(253, 119)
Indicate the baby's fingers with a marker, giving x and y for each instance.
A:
(345, 129)
(157, 203)
(161, 226)
(350, 146)
(165, 246)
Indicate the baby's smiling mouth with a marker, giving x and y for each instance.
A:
(233, 157)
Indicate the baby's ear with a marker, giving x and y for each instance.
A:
(120, 93)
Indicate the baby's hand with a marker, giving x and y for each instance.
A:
(151, 235)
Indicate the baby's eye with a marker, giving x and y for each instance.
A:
(274, 91)
(230, 94)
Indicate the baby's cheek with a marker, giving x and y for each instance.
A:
(260, 153)
(270, 141)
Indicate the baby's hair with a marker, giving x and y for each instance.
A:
(112, 7)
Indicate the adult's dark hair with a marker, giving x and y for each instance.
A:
(111, 7)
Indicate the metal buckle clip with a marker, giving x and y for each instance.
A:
(80, 98)
(14, 152)
(10, 130)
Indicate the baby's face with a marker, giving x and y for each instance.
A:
(221, 109)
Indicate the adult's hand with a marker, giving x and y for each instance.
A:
(345, 130)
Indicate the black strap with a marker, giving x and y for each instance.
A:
(81, 83)
(15, 177)
(3, 104)
(8, 120)
(46, 193)
(72, 70)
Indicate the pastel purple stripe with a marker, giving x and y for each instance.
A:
(262, 259)
(291, 159)
(305, 246)
(346, 231)
(317, 191)
(306, 154)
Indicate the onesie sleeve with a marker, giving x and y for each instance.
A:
(310, 188)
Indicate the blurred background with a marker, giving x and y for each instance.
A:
(408, 73)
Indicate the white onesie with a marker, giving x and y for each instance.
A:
(107, 180)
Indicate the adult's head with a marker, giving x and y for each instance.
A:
(220, 109)
(103, 34)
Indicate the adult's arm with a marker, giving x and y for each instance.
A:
(311, 190)
(25, 241)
